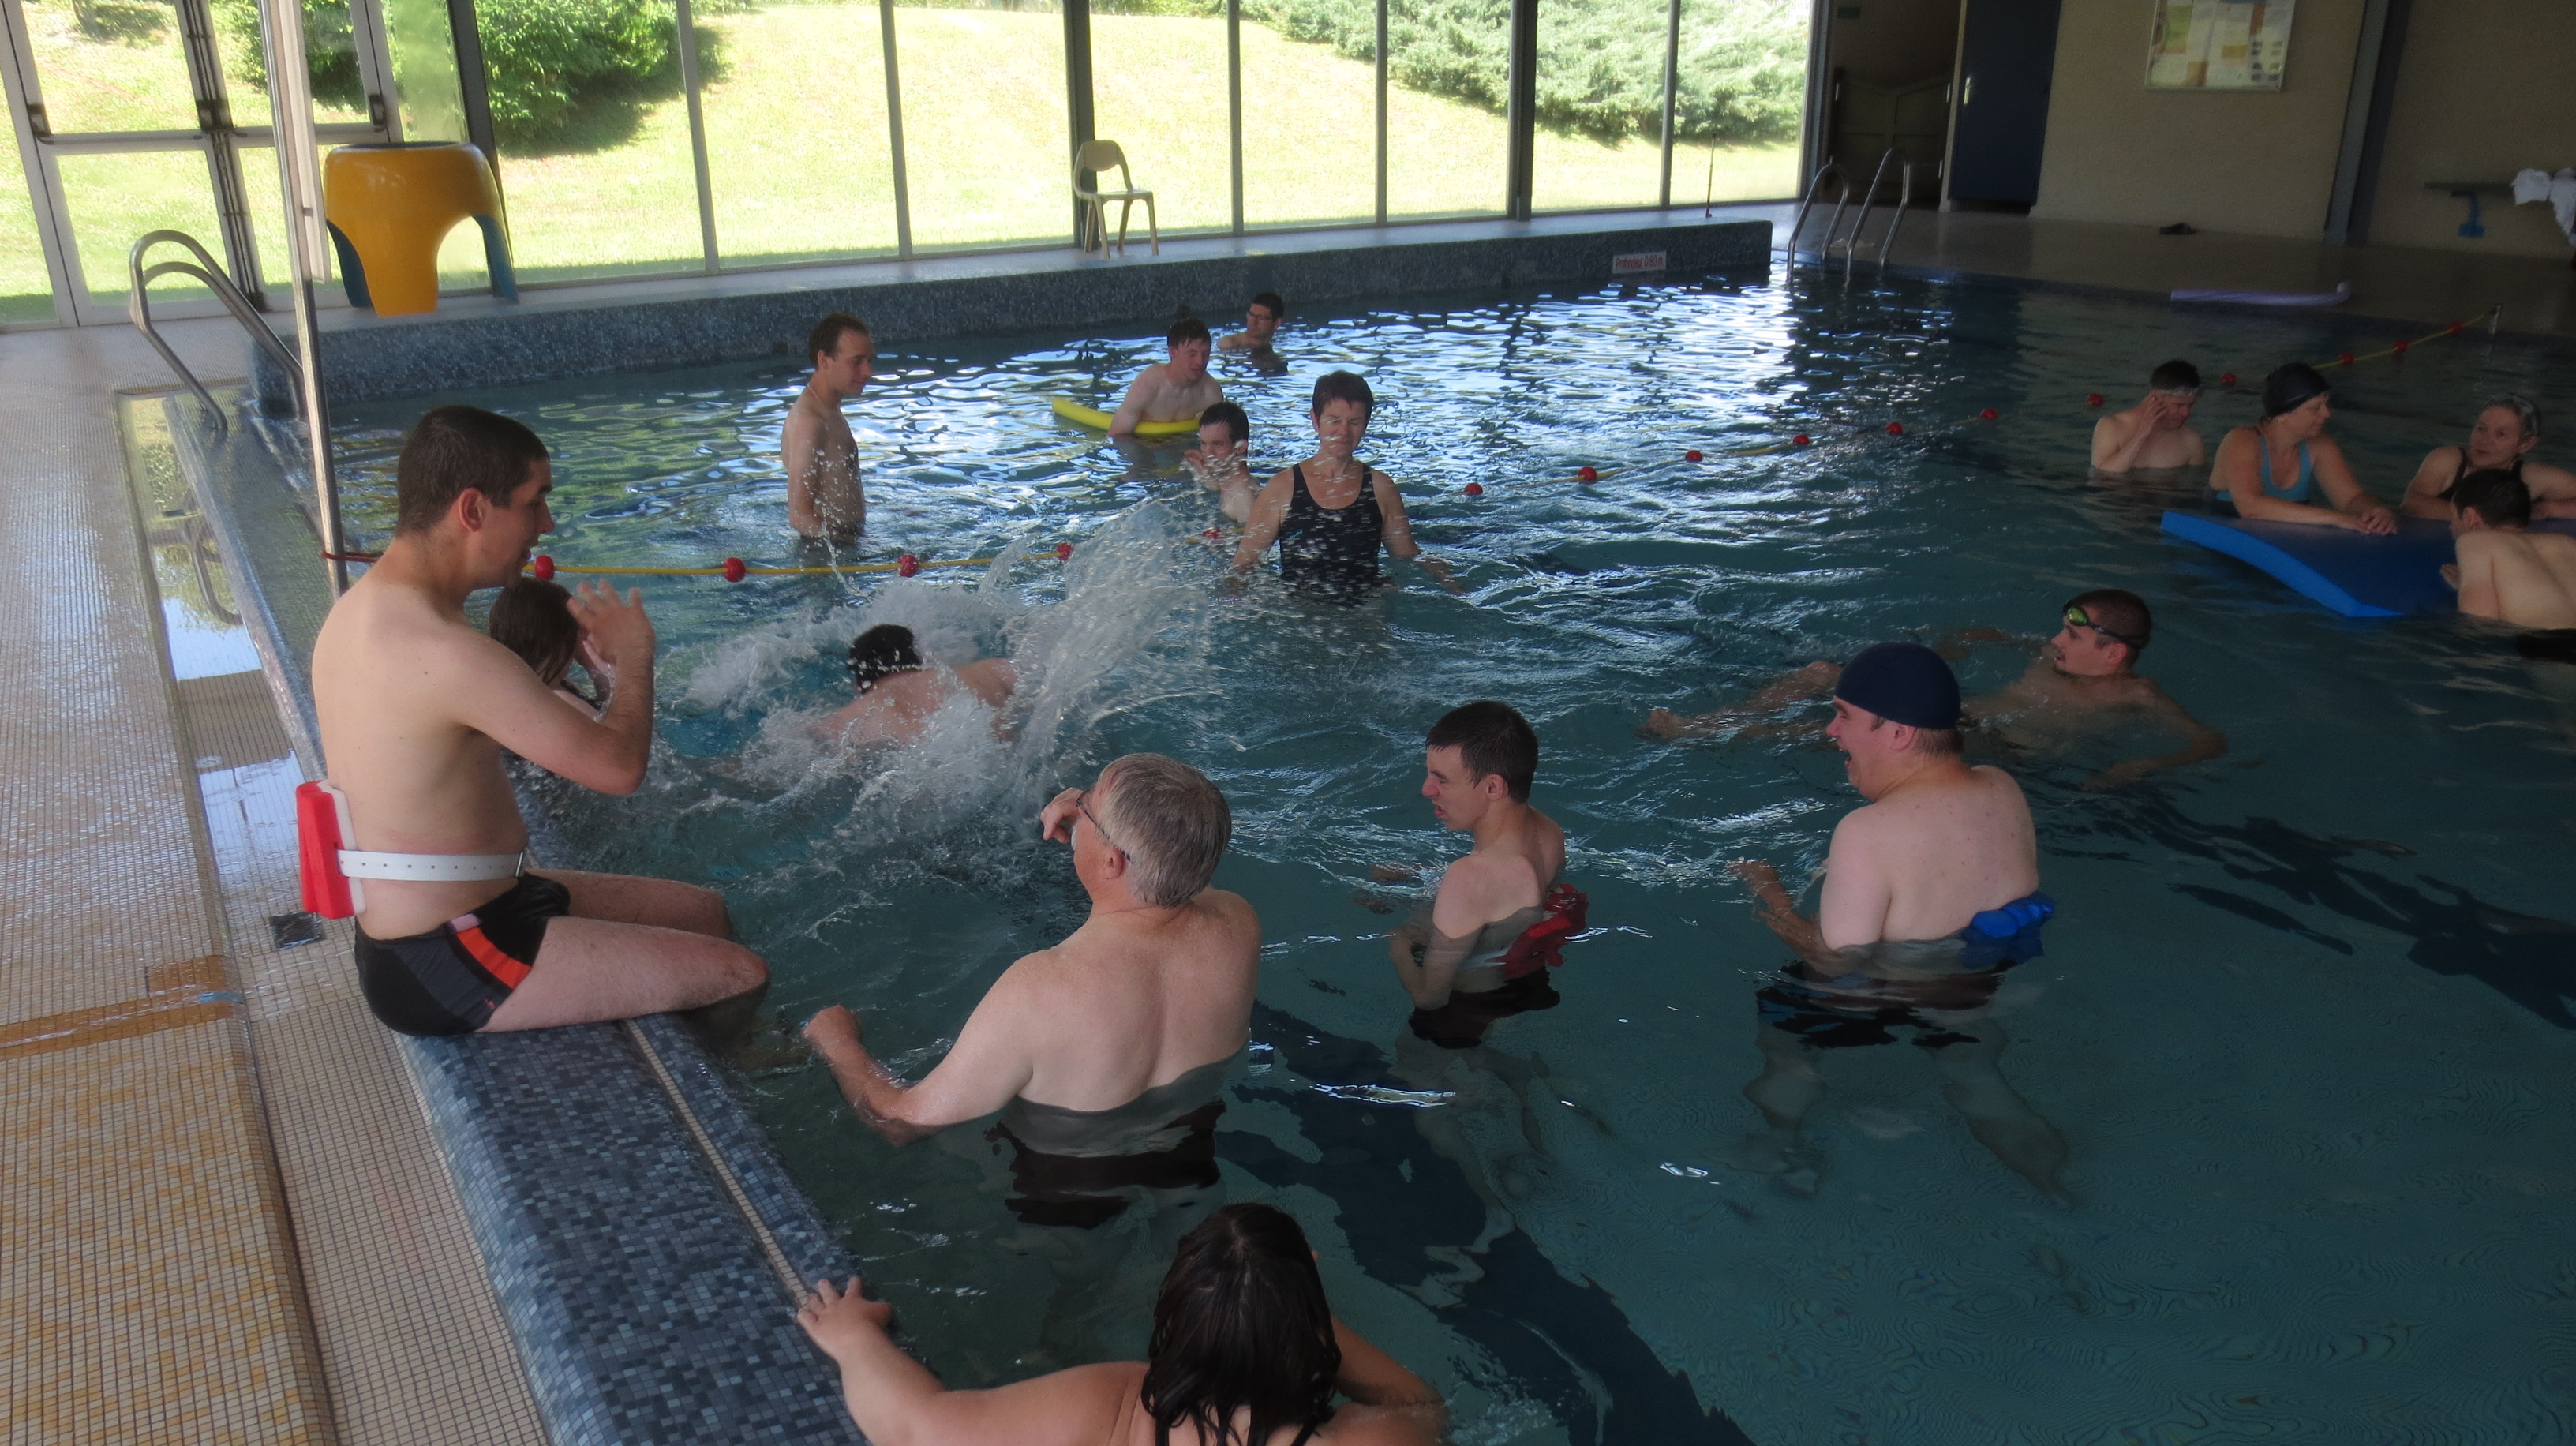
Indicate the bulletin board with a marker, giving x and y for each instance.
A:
(2219, 44)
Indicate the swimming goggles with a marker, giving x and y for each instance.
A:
(2180, 394)
(2076, 616)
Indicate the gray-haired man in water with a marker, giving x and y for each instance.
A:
(1931, 892)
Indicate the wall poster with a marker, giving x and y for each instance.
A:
(2219, 44)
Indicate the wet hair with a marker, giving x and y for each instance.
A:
(2522, 408)
(1278, 308)
(1172, 824)
(455, 450)
(2291, 387)
(1241, 1325)
(1342, 387)
(1188, 329)
(1237, 425)
(2174, 376)
(534, 620)
(882, 650)
(2120, 614)
(827, 334)
(2495, 494)
(1934, 742)
(1493, 738)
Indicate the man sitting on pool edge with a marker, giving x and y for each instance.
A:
(415, 707)
(2085, 681)
(1155, 987)
(1931, 892)
(2156, 434)
(1174, 390)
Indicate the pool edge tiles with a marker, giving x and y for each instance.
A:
(635, 1224)
(583, 331)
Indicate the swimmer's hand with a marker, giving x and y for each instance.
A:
(1394, 873)
(841, 1320)
(2374, 521)
(2451, 575)
(1055, 821)
(1665, 723)
(617, 626)
(1764, 880)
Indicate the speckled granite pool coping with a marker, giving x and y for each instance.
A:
(640, 1233)
(639, 326)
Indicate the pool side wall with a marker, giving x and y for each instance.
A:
(570, 334)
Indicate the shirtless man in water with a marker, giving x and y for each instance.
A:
(1931, 892)
(416, 707)
(1171, 391)
(824, 498)
(2506, 431)
(1155, 985)
(2507, 572)
(2085, 683)
(2156, 434)
(898, 692)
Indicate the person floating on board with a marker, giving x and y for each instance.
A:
(1219, 461)
(1931, 892)
(1174, 390)
(2084, 684)
(2502, 438)
(1260, 323)
(2156, 434)
(2275, 470)
(1332, 512)
(1244, 1351)
(824, 498)
(455, 933)
(2509, 573)
(1481, 949)
(898, 692)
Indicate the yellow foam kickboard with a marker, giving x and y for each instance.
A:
(1073, 411)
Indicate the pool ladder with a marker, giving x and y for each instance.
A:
(138, 309)
(1849, 243)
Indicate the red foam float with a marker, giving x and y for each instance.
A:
(2458, 326)
(2093, 399)
(1589, 474)
(1799, 440)
(2227, 379)
(1063, 551)
(1896, 429)
(1212, 535)
(543, 567)
(906, 565)
(733, 569)
(2344, 358)
(1988, 415)
(1475, 489)
(1691, 456)
(2401, 346)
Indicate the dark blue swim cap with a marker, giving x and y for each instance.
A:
(1903, 683)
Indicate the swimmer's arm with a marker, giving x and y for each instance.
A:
(1371, 1377)
(801, 449)
(988, 1065)
(1131, 410)
(1398, 532)
(2199, 448)
(2334, 474)
(1779, 912)
(1269, 510)
(1853, 910)
(2238, 470)
(2553, 490)
(2111, 452)
(2479, 595)
(896, 1401)
(500, 698)
(2200, 742)
(2423, 490)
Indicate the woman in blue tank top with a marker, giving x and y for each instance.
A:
(1331, 513)
(2286, 469)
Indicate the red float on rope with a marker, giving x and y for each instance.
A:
(1475, 489)
(2458, 326)
(906, 565)
(2093, 399)
(1589, 474)
(1799, 440)
(1691, 456)
(2227, 379)
(2401, 346)
(1213, 535)
(733, 569)
(1988, 415)
(1896, 429)
(1063, 551)
(543, 566)
(2345, 358)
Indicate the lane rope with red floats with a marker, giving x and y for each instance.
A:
(543, 567)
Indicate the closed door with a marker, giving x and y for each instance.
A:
(2006, 57)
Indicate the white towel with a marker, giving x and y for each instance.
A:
(2533, 186)
(2529, 185)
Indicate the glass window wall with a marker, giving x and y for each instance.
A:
(988, 150)
(1449, 76)
(1740, 107)
(1600, 140)
(1158, 88)
(114, 198)
(798, 160)
(1310, 115)
(26, 292)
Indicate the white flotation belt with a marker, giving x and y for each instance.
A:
(331, 873)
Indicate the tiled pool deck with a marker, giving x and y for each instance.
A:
(239, 1210)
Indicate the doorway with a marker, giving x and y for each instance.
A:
(2007, 62)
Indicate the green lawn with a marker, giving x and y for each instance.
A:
(798, 158)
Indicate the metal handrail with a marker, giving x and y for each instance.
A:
(138, 309)
(1904, 199)
(1799, 224)
(1860, 223)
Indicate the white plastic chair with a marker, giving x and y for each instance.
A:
(1098, 157)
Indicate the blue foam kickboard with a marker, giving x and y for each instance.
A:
(2350, 573)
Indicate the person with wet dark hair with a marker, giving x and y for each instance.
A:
(898, 692)
(825, 497)
(2286, 469)
(1219, 460)
(533, 618)
(1260, 323)
(2508, 573)
(2502, 437)
(2156, 434)
(1331, 513)
(1175, 389)
(1245, 1351)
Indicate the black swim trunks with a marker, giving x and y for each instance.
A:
(2550, 645)
(449, 980)
(1461, 1023)
(1086, 1191)
(1834, 1019)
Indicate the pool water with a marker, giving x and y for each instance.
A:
(2304, 1019)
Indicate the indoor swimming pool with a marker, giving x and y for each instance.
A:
(2304, 1019)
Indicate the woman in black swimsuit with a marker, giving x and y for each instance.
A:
(1330, 513)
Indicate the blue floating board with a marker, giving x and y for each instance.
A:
(2350, 573)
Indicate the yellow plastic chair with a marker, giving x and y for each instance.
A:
(1098, 157)
(389, 207)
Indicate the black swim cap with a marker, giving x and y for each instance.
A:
(2290, 388)
(1903, 683)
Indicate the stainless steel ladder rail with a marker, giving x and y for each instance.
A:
(1860, 223)
(138, 309)
(1905, 198)
(1799, 224)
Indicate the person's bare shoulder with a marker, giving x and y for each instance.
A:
(2555, 484)
(1231, 908)
(1356, 1425)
